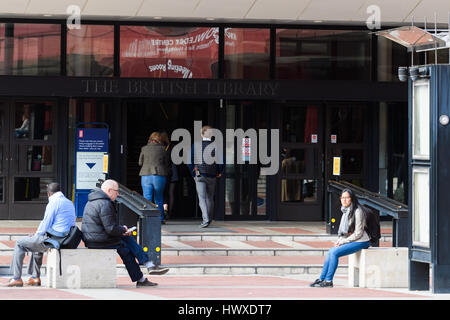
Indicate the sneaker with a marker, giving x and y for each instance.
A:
(157, 270)
(316, 283)
(205, 224)
(146, 283)
(326, 284)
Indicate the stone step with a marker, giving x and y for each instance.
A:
(231, 248)
(189, 265)
(228, 237)
(220, 269)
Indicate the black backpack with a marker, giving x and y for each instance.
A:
(68, 240)
(372, 225)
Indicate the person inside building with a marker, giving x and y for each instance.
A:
(154, 161)
(205, 176)
(59, 216)
(24, 129)
(101, 230)
(351, 238)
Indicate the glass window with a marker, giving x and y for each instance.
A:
(30, 49)
(229, 192)
(292, 161)
(347, 124)
(323, 54)
(247, 53)
(90, 51)
(31, 188)
(352, 162)
(261, 201)
(300, 124)
(298, 190)
(421, 206)
(421, 120)
(34, 121)
(37, 158)
(390, 56)
(169, 52)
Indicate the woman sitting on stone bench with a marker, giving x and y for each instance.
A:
(352, 238)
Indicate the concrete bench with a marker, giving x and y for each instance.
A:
(81, 268)
(379, 268)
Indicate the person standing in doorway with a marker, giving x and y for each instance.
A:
(352, 238)
(205, 176)
(172, 179)
(154, 160)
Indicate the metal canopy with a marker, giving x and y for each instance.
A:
(417, 39)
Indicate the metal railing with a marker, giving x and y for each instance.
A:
(134, 210)
(398, 211)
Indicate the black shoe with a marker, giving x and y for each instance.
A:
(316, 283)
(326, 284)
(146, 283)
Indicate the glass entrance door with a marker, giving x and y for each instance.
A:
(347, 138)
(28, 157)
(301, 171)
(245, 185)
(312, 134)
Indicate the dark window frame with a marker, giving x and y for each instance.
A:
(272, 28)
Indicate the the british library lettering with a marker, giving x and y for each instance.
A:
(179, 88)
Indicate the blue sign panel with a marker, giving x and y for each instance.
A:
(92, 140)
(91, 147)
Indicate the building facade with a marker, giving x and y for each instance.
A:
(330, 89)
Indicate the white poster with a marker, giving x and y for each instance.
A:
(89, 169)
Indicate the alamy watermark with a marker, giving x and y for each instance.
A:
(252, 145)
(374, 20)
(74, 19)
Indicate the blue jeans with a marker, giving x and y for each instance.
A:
(331, 262)
(136, 249)
(153, 187)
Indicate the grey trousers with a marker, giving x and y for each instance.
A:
(206, 187)
(33, 244)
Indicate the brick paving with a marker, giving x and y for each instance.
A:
(208, 287)
(267, 287)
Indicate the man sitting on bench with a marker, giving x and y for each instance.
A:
(59, 216)
(101, 231)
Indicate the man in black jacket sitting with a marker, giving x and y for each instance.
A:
(101, 229)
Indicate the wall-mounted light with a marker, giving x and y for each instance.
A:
(403, 74)
(414, 72)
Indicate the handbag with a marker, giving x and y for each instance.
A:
(63, 240)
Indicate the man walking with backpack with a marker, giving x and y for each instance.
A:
(59, 216)
(205, 175)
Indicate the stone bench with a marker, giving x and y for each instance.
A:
(384, 267)
(81, 268)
